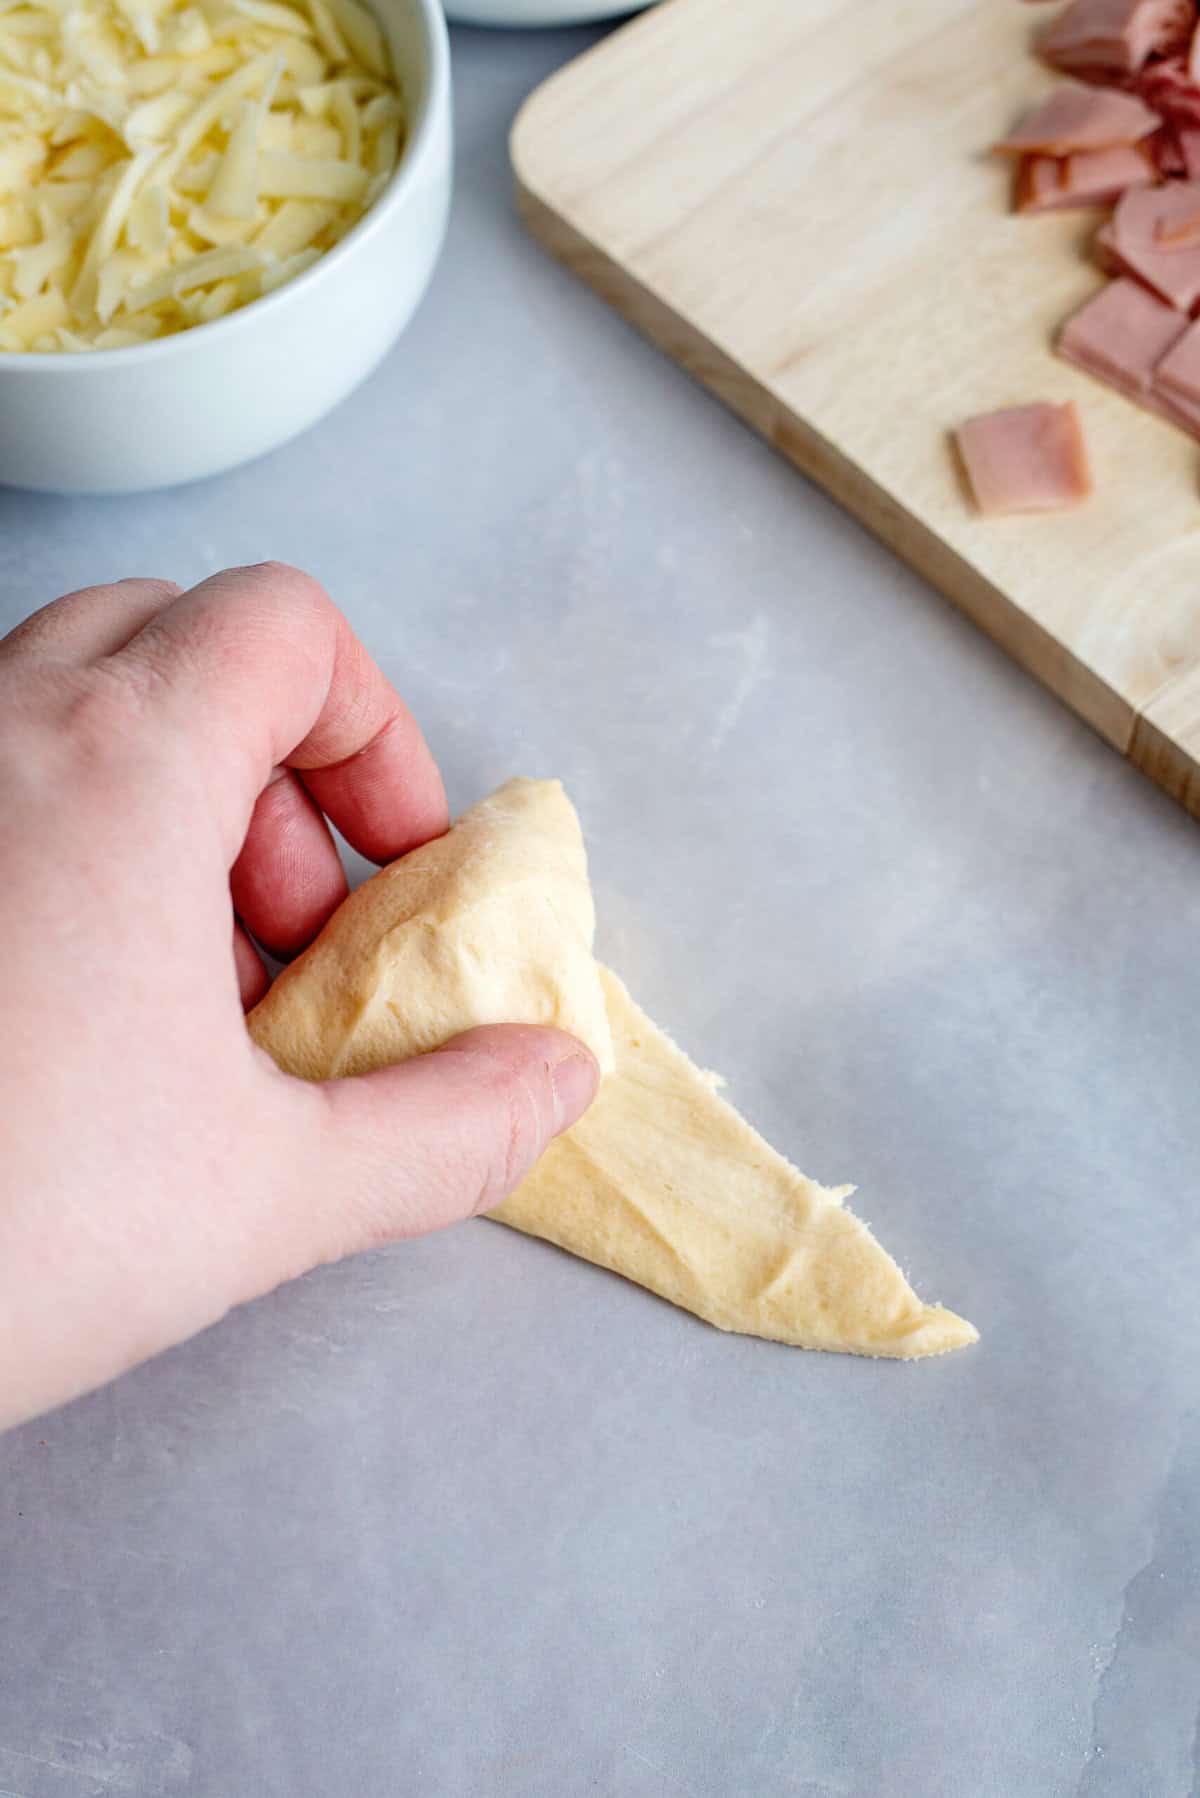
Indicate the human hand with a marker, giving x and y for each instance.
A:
(167, 759)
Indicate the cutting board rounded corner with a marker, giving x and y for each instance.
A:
(530, 136)
(520, 150)
(528, 133)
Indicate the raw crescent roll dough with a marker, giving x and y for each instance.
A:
(664, 1182)
(660, 1180)
(491, 924)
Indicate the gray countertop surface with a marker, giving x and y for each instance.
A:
(470, 1518)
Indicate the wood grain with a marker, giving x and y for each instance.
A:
(796, 204)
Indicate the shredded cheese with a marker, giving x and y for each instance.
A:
(163, 162)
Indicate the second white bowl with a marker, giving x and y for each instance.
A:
(540, 12)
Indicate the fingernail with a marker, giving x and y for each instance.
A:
(574, 1080)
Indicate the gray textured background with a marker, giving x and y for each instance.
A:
(470, 1517)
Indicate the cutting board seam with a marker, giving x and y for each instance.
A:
(1155, 755)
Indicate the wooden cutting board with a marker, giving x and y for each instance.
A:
(793, 199)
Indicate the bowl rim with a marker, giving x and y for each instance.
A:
(435, 105)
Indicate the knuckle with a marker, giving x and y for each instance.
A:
(268, 604)
(285, 581)
(105, 717)
(98, 722)
(153, 585)
(275, 568)
(69, 732)
(110, 699)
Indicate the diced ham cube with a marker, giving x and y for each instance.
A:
(1143, 219)
(1104, 250)
(1079, 118)
(1120, 335)
(1165, 151)
(1098, 38)
(1183, 413)
(1167, 88)
(1089, 178)
(1025, 459)
(1038, 184)
(1177, 376)
(1100, 177)
(1177, 234)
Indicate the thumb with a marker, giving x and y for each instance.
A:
(442, 1137)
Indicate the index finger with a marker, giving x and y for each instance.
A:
(258, 668)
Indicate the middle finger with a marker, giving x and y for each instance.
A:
(287, 879)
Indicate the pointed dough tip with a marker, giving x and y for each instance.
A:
(939, 1332)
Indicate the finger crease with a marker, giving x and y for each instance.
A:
(373, 742)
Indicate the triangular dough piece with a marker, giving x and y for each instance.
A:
(660, 1180)
(663, 1182)
(491, 924)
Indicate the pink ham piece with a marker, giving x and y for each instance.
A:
(1167, 88)
(1177, 377)
(1178, 234)
(1121, 337)
(1079, 118)
(1181, 412)
(1189, 149)
(1089, 178)
(1100, 177)
(1105, 252)
(1025, 459)
(1144, 216)
(1165, 151)
(1038, 186)
(1098, 38)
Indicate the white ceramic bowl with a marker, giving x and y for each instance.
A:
(539, 12)
(117, 421)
